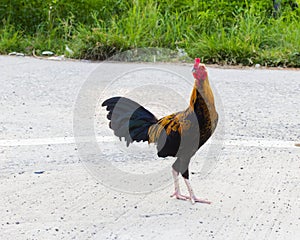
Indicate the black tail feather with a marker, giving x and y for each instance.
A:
(128, 119)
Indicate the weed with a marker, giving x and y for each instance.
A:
(224, 32)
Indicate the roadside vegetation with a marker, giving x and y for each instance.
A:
(246, 32)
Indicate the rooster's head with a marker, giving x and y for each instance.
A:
(199, 72)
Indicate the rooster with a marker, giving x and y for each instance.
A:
(177, 135)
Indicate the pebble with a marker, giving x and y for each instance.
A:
(48, 53)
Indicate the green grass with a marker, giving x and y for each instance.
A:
(223, 32)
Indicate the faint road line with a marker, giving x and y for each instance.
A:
(71, 140)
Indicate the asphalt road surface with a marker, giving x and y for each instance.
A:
(53, 186)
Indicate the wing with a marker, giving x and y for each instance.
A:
(167, 133)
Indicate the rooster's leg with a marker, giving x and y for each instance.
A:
(192, 197)
(177, 193)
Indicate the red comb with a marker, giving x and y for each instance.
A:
(197, 60)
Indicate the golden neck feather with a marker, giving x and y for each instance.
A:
(205, 95)
(205, 92)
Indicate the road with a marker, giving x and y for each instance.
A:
(53, 188)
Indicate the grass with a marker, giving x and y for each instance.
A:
(223, 32)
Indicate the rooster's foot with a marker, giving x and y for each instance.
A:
(194, 200)
(179, 196)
